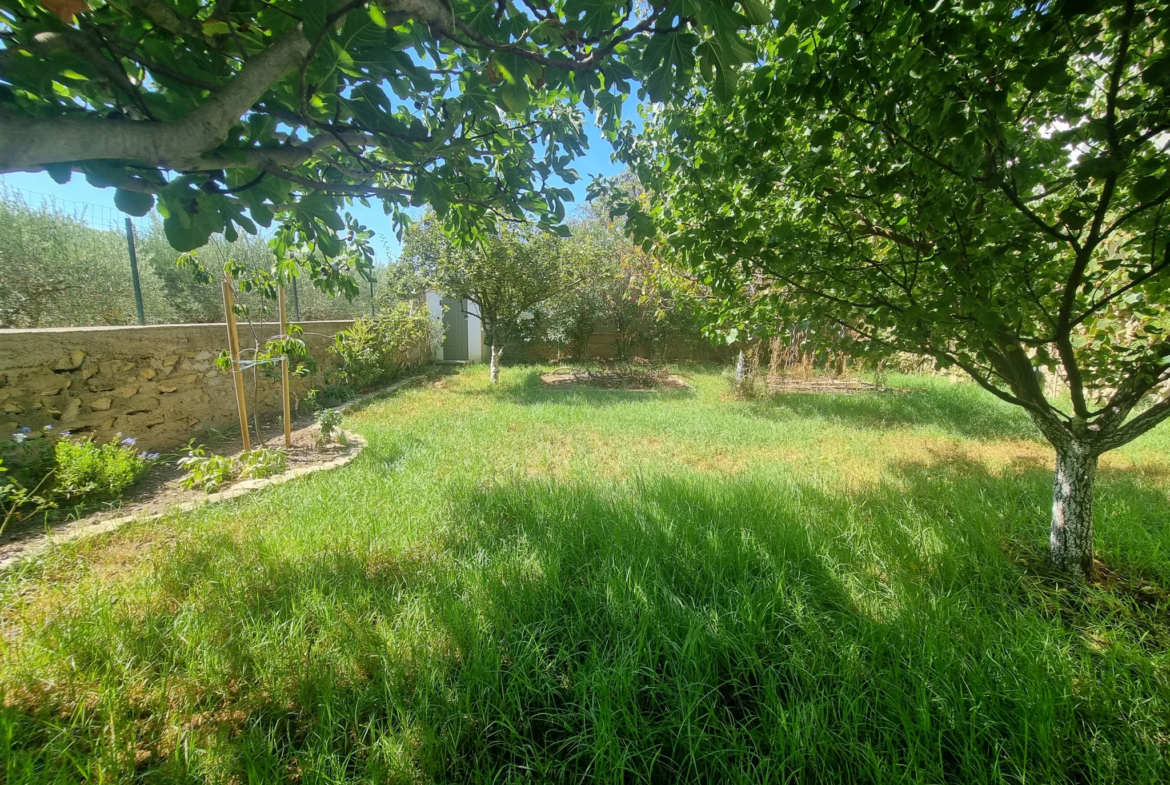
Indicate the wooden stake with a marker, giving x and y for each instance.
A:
(284, 385)
(229, 302)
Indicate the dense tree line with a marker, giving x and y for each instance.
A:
(57, 270)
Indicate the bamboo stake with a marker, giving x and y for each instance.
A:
(229, 302)
(284, 385)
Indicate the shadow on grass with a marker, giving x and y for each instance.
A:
(690, 628)
(959, 409)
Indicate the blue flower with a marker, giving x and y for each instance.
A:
(128, 441)
(25, 429)
(148, 456)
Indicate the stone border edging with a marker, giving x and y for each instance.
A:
(80, 530)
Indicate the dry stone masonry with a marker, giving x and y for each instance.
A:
(158, 384)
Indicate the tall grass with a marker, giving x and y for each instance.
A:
(517, 584)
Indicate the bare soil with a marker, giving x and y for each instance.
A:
(820, 385)
(631, 380)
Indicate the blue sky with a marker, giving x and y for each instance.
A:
(596, 161)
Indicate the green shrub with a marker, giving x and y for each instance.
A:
(329, 421)
(335, 395)
(205, 471)
(376, 350)
(18, 502)
(262, 462)
(210, 472)
(39, 470)
(85, 470)
(28, 456)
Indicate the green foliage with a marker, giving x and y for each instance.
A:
(504, 274)
(209, 472)
(18, 502)
(57, 270)
(470, 108)
(29, 456)
(328, 395)
(619, 288)
(292, 349)
(333, 395)
(261, 462)
(373, 351)
(212, 472)
(984, 184)
(85, 471)
(329, 421)
(39, 472)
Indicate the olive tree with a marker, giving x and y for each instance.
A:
(986, 183)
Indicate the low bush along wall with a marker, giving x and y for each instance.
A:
(158, 384)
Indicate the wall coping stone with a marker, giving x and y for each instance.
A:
(132, 327)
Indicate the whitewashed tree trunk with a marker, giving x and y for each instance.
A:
(740, 371)
(497, 352)
(1071, 540)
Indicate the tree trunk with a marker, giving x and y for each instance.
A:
(740, 371)
(1071, 542)
(497, 351)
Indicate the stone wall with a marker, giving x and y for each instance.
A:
(158, 384)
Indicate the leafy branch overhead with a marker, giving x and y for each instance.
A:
(228, 114)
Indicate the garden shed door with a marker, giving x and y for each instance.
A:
(454, 329)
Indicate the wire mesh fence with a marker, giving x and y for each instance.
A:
(72, 264)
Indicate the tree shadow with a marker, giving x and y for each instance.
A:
(959, 409)
(681, 628)
(735, 626)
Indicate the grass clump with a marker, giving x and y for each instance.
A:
(521, 584)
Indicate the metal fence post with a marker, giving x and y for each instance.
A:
(134, 272)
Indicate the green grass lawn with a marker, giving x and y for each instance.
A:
(526, 585)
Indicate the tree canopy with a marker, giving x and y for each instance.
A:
(505, 274)
(982, 182)
(233, 113)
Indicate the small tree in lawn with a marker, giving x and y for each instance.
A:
(505, 274)
(984, 183)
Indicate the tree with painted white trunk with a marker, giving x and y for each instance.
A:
(505, 274)
(986, 183)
